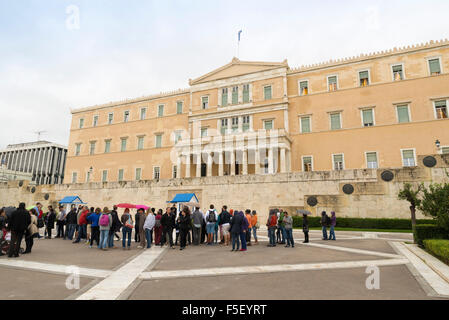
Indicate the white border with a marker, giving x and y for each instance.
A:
(414, 155)
(102, 175)
(163, 110)
(366, 159)
(441, 149)
(118, 175)
(155, 140)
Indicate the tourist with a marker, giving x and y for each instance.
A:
(148, 227)
(89, 225)
(82, 223)
(18, 224)
(288, 226)
(324, 224)
(211, 219)
(281, 230)
(248, 232)
(31, 232)
(255, 225)
(95, 227)
(225, 221)
(71, 220)
(236, 226)
(167, 223)
(40, 220)
(271, 225)
(305, 228)
(198, 219)
(142, 237)
(157, 230)
(116, 226)
(60, 221)
(127, 222)
(333, 223)
(216, 227)
(136, 227)
(50, 217)
(3, 219)
(105, 223)
(184, 226)
(244, 231)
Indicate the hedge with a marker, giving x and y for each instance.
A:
(364, 223)
(429, 231)
(438, 248)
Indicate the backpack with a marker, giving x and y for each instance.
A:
(104, 220)
(211, 217)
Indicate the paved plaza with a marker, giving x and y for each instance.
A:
(318, 270)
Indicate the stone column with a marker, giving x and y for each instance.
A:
(198, 165)
(220, 164)
(256, 161)
(178, 167)
(232, 162)
(270, 161)
(209, 164)
(187, 165)
(245, 162)
(283, 163)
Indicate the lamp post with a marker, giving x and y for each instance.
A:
(90, 173)
(438, 145)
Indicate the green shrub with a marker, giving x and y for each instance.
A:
(429, 231)
(438, 248)
(364, 223)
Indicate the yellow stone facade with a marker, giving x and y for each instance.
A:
(380, 110)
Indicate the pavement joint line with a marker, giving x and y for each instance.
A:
(437, 283)
(189, 273)
(53, 268)
(352, 250)
(113, 286)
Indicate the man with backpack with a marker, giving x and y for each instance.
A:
(211, 219)
(225, 225)
(325, 223)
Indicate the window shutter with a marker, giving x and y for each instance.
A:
(397, 68)
(434, 66)
(332, 80)
(305, 124)
(307, 160)
(408, 154)
(267, 92)
(303, 85)
(335, 121)
(368, 116)
(338, 158)
(179, 107)
(371, 157)
(445, 150)
(441, 103)
(364, 75)
(403, 114)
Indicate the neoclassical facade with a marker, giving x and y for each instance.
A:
(378, 110)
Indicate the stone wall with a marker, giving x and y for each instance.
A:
(351, 193)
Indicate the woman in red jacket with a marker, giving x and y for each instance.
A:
(158, 228)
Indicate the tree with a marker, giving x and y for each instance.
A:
(435, 203)
(409, 194)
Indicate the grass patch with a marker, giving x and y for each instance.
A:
(365, 230)
(438, 248)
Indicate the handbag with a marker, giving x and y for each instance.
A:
(129, 225)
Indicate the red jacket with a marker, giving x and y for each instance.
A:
(272, 221)
(40, 214)
(83, 217)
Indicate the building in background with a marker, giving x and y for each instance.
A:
(378, 110)
(42, 162)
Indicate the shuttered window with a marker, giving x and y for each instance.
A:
(205, 102)
(441, 109)
(364, 78)
(267, 92)
(398, 73)
(160, 111)
(235, 95)
(138, 174)
(434, 66)
(107, 146)
(305, 125)
(158, 141)
(123, 146)
(143, 113)
(332, 82)
(246, 93)
(140, 142)
(92, 148)
(368, 117)
(403, 115)
(179, 107)
(338, 162)
(335, 121)
(268, 125)
(408, 157)
(120, 175)
(224, 97)
(371, 159)
(304, 88)
(104, 176)
(307, 164)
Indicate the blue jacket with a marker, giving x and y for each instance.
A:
(94, 218)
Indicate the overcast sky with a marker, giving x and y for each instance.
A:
(126, 49)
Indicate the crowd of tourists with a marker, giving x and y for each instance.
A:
(100, 227)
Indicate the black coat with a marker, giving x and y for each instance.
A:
(167, 221)
(184, 222)
(116, 224)
(237, 223)
(51, 217)
(72, 217)
(20, 220)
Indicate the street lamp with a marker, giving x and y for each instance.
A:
(90, 173)
(438, 144)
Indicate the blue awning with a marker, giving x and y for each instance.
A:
(72, 200)
(184, 197)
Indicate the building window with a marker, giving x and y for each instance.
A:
(268, 124)
(364, 78)
(138, 174)
(445, 150)
(235, 124)
(95, 122)
(158, 141)
(177, 136)
(143, 113)
(110, 118)
(307, 164)
(74, 177)
(441, 109)
(398, 72)
(403, 114)
(332, 83)
(245, 93)
(371, 160)
(140, 143)
(121, 173)
(335, 121)
(267, 92)
(205, 102)
(104, 177)
(92, 148)
(224, 126)
(81, 123)
(107, 146)
(235, 95)
(179, 107)
(77, 149)
(338, 160)
(175, 172)
(123, 145)
(434, 66)
(305, 125)
(224, 97)
(156, 173)
(88, 176)
(203, 132)
(304, 88)
(126, 116)
(245, 126)
(408, 158)
(160, 110)
(265, 166)
(368, 117)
